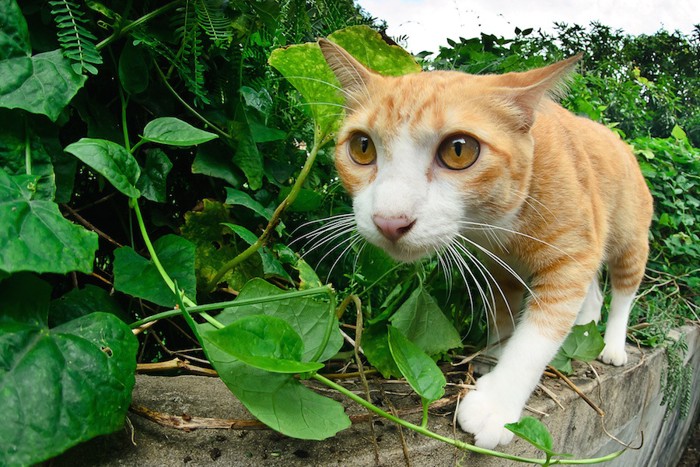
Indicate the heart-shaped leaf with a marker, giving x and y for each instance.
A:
(308, 316)
(110, 160)
(60, 386)
(263, 342)
(42, 84)
(35, 236)
(137, 276)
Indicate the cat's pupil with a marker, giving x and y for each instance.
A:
(457, 145)
(364, 144)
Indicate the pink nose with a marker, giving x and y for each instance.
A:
(393, 228)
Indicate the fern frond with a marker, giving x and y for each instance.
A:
(77, 42)
(191, 56)
(212, 19)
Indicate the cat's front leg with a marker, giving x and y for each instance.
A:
(501, 395)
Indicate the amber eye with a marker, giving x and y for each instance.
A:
(458, 152)
(361, 149)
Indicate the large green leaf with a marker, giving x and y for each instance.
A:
(112, 161)
(306, 69)
(35, 236)
(308, 316)
(421, 372)
(14, 35)
(60, 386)
(265, 342)
(279, 400)
(174, 132)
(42, 84)
(420, 319)
(137, 276)
(370, 49)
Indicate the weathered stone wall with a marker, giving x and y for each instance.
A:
(630, 397)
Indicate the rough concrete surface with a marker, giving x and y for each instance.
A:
(630, 397)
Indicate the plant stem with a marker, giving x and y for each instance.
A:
(137, 22)
(134, 203)
(27, 149)
(458, 444)
(275, 219)
(233, 303)
(189, 107)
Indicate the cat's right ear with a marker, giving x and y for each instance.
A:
(353, 75)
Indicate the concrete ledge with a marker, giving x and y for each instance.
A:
(630, 397)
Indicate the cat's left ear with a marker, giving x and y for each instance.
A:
(528, 88)
(353, 75)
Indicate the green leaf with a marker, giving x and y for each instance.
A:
(174, 132)
(421, 372)
(420, 319)
(280, 400)
(81, 302)
(204, 228)
(152, 182)
(306, 200)
(247, 157)
(110, 160)
(238, 198)
(247, 236)
(14, 35)
(584, 344)
(678, 133)
(264, 342)
(35, 236)
(308, 279)
(276, 399)
(308, 316)
(215, 160)
(133, 68)
(306, 69)
(137, 276)
(42, 84)
(61, 386)
(534, 432)
(370, 49)
(375, 343)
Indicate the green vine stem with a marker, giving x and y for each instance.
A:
(456, 443)
(233, 303)
(275, 219)
(27, 148)
(134, 204)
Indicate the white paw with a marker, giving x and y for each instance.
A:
(484, 413)
(613, 355)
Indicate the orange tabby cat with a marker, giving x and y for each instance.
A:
(441, 159)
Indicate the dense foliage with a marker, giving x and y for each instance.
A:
(122, 122)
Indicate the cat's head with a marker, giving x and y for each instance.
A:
(425, 154)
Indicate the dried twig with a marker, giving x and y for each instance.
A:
(175, 364)
(575, 388)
